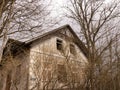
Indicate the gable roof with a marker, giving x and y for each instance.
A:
(77, 40)
(18, 44)
(47, 33)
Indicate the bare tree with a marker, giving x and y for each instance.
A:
(22, 18)
(98, 21)
(19, 19)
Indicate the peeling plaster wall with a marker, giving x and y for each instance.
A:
(47, 48)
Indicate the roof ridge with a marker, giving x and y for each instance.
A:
(46, 33)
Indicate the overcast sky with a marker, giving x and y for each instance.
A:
(58, 10)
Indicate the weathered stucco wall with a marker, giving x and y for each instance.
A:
(45, 51)
(44, 66)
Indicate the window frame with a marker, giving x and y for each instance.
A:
(59, 44)
(72, 49)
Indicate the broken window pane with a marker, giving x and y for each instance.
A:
(59, 44)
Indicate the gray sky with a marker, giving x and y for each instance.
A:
(58, 10)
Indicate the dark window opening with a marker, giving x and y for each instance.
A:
(59, 44)
(72, 49)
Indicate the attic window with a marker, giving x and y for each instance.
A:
(59, 44)
(72, 49)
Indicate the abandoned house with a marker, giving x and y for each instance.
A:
(54, 60)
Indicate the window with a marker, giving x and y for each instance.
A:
(59, 44)
(62, 75)
(72, 49)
